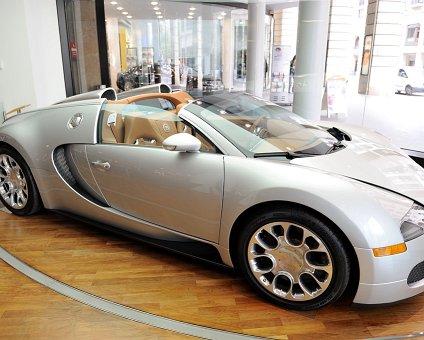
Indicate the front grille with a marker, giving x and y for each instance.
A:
(416, 274)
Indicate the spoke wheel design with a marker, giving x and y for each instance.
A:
(294, 258)
(13, 184)
(290, 261)
(18, 190)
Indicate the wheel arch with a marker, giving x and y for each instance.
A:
(266, 206)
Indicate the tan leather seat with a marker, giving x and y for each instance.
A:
(149, 130)
(114, 131)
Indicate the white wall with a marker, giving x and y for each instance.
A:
(31, 70)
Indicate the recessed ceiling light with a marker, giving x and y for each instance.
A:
(160, 16)
(154, 3)
(219, 18)
(158, 13)
(156, 8)
(124, 13)
(189, 17)
(119, 8)
(129, 16)
(113, 3)
(192, 8)
(191, 13)
(223, 13)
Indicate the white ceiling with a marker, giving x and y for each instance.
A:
(179, 9)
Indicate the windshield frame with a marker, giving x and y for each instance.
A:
(207, 110)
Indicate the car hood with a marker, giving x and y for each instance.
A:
(377, 164)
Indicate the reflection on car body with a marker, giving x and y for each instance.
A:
(301, 209)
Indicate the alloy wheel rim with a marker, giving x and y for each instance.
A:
(13, 184)
(290, 261)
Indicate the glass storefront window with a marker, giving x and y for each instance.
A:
(178, 43)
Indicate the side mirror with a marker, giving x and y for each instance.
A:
(182, 142)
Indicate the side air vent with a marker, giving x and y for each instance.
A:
(107, 93)
(62, 166)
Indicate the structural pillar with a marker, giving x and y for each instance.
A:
(312, 32)
(228, 53)
(380, 56)
(255, 47)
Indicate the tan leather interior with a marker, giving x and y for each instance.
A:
(114, 134)
(177, 98)
(148, 130)
(179, 107)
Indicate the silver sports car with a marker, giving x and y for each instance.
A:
(303, 210)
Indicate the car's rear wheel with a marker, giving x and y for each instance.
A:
(18, 191)
(294, 258)
(408, 90)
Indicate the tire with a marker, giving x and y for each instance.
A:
(408, 90)
(294, 259)
(18, 190)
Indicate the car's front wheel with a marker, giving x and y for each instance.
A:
(408, 90)
(18, 191)
(294, 258)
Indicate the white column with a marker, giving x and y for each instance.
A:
(255, 47)
(176, 54)
(199, 53)
(228, 52)
(311, 51)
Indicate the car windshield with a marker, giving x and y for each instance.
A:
(257, 127)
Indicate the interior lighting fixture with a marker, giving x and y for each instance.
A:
(113, 3)
(119, 8)
(219, 18)
(129, 16)
(191, 13)
(189, 17)
(160, 17)
(124, 13)
(156, 8)
(223, 13)
(158, 13)
(192, 8)
(154, 3)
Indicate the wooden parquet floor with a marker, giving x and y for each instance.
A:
(158, 282)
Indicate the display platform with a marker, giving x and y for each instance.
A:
(161, 283)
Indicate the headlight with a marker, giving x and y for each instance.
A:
(412, 224)
(407, 214)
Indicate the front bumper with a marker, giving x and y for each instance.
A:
(385, 279)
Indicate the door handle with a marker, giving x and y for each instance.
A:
(101, 165)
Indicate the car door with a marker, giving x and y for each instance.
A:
(177, 190)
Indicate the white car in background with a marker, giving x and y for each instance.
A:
(409, 80)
